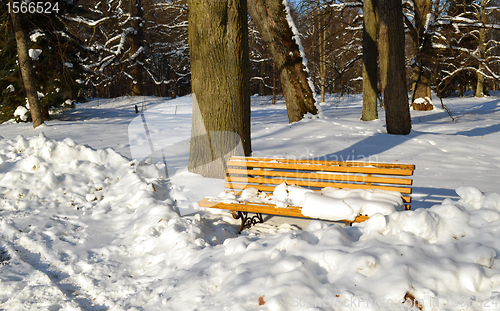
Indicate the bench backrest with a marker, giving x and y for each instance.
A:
(265, 174)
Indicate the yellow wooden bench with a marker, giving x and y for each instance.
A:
(266, 173)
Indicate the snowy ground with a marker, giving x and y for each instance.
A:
(86, 227)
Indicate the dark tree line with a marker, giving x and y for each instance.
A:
(451, 46)
(40, 60)
(136, 47)
(112, 48)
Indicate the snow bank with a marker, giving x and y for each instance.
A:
(444, 256)
(445, 222)
(67, 211)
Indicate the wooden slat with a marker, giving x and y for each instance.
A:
(328, 163)
(292, 211)
(320, 176)
(323, 168)
(271, 209)
(302, 183)
(334, 185)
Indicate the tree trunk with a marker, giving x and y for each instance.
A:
(482, 50)
(136, 46)
(392, 67)
(26, 69)
(262, 86)
(322, 52)
(271, 21)
(45, 111)
(274, 83)
(220, 66)
(370, 65)
(421, 86)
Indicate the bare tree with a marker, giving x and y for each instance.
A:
(26, 69)
(370, 64)
(136, 51)
(261, 62)
(167, 59)
(332, 37)
(465, 41)
(481, 48)
(322, 31)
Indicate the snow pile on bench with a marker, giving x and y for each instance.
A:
(328, 203)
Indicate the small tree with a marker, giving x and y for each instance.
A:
(55, 55)
(370, 65)
(10, 85)
(26, 68)
(136, 52)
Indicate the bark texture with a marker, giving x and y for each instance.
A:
(137, 42)
(26, 69)
(392, 67)
(262, 86)
(270, 18)
(218, 39)
(421, 86)
(370, 64)
(482, 50)
(322, 49)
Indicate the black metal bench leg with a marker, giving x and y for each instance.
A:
(247, 222)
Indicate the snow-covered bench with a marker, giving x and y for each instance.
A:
(279, 187)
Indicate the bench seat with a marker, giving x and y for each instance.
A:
(265, 174)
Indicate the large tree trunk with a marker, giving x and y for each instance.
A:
(137, 46)
(482, 50)
(26, 69)
(220, 64)
(392, 67)
(370, 65)
(421, 86)
(271, 21)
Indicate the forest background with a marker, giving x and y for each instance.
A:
(103, 49)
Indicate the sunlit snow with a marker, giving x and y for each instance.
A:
(89, 222)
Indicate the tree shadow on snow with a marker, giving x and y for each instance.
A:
(370, 150)
(480, 131)
(475, 109)
(426, 197)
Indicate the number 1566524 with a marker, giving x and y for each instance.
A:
(32, 7)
